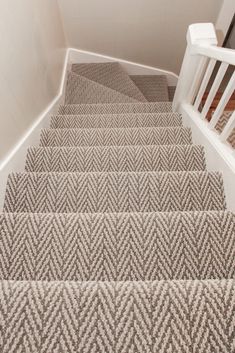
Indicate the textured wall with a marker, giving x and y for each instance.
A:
(32, 54)
(151, 32)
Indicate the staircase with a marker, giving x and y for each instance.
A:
(116, 238)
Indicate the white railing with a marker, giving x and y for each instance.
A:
(201, 56)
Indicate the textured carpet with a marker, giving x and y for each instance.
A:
(114, 192)
(118, 137)
(81, 90)
(221, 124)
(116, 239)
(110, 75)
(153, 87)
(115, 120)
(118, 317)
(116, 108)
(117, 247)
(115, 158)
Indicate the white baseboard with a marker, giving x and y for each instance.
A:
(219, 156)
(81, 56)
(15, 160)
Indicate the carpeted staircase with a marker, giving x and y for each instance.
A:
(116, 239)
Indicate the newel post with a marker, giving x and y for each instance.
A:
(197, 34)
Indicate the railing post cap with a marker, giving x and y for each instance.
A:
(201, 33)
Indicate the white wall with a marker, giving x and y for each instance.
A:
(32, 46)
(224, 19)
(150, 32)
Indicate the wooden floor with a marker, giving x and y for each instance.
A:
(229, 107)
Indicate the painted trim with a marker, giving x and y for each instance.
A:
(15, 160)
(132, 68)
(219, 156)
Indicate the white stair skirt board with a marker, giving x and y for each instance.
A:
(15, 160)
(219, 156)
(80, 56)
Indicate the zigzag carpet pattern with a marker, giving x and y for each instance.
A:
(153, 87)
(137, 158)
(116, 108)
(116, 238)
(127, 120)
(82, 90)
(161, 316)
(118, 137)
(118, 246)
(114, 192)
(110, 75)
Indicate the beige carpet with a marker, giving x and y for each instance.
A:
(116, 238)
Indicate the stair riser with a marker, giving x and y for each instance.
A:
(159, 107)
(116, 137)
(115, 121)
(111, 159)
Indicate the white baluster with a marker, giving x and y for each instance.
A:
(217, 82)
(204, 83)
(223, 101)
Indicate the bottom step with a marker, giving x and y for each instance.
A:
(140, 317)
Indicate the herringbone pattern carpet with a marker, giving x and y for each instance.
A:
(110, 75)
(116, 158)
(127, 120)
(116, 108)
(82, 90)
(154, 88)
(116, 239)
(118, 246)
(114, 192)
(118, 137)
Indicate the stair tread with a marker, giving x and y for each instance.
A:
(110, 74)
(107, 315)
(116, 108)
(116, 136)
(116, 120)
(118, 246)
(82, 90)
(116, 158)
(114, 192)
(116, 238)
(153, 87)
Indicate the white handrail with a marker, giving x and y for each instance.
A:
(221, 54)
(196, 73)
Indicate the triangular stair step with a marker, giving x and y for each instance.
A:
(153, 87)
(118, 137)
(114, 192)
(112, 75)
(81, 90)
(128, 120)
(117, 247)
(115, 158)
(118, 316)
(116, 108)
